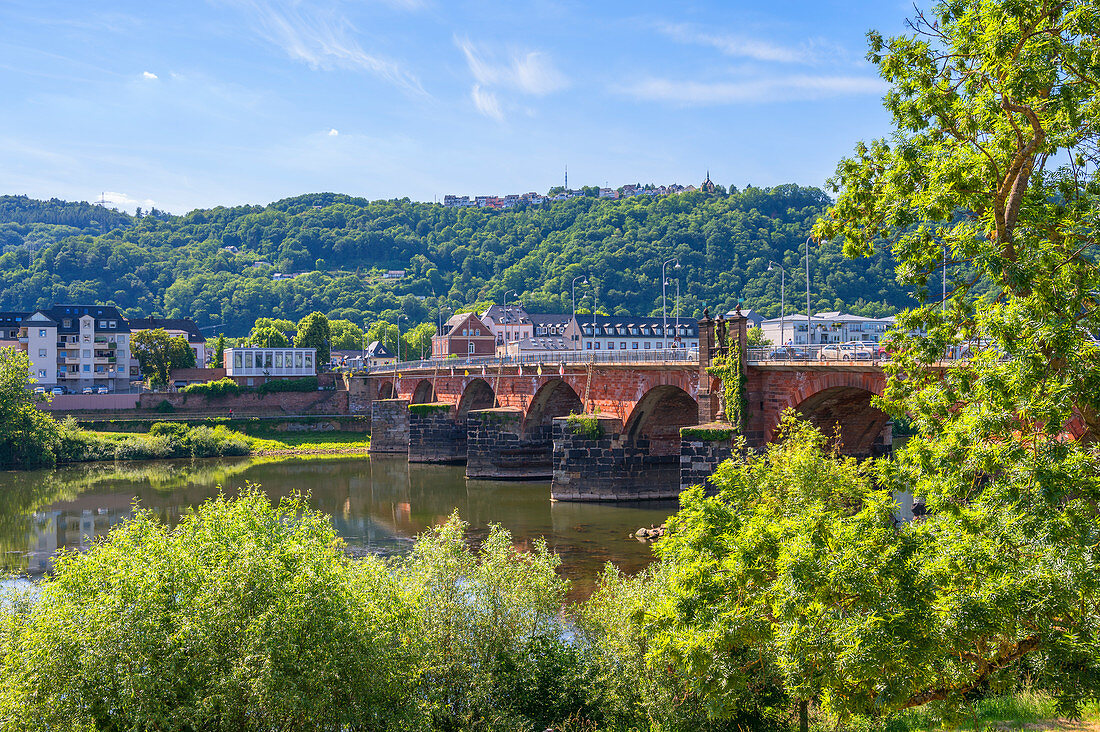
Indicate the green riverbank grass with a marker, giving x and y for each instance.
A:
(283, 443)
(1024, 710)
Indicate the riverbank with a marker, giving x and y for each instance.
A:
(276, 445)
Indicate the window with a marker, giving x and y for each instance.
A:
(470, 347)
(238, 360)
(87, 367)
(309, 361)
(646, 345)
(87, 338)
(113, 324)
(248, 359)
(41, 332)
(87, 353)
(298, 360)
(41, 352)
(634, 345)
(67, 322)
(102, 324)
(41, 373)
(622, 345)
(279, 360)
(589, 345)
(251, 381)
(611, 345)
(268, 362)
(597, 345)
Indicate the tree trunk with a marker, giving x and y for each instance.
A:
(803, 716)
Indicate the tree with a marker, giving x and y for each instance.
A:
(28, 436)
(314, 332)
(219, 353)
(757, 339)
(159, 353)
(268, 337)
(284, 326)
(991, 175)
(346, 335)
(418, 341)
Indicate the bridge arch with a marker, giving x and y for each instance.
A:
(846, 411)
(555, 398)
(386, 390)
(423, 393)
(658, 417)
(477, 395)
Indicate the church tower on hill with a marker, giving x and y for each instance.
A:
(707, 186)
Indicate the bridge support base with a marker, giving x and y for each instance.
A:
(389, 426)
(435, 436)
(602, 464)
(498, 449)
(702, 449)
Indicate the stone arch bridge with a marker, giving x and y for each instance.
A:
(510, 421)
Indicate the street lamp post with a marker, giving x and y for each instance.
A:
(504, 315)
(782, 302)
(440, 308)
(808, 238)
(399, 319)
(664, 310)
(574, 286)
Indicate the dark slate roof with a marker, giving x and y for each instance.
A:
(513, 315)
(619, 326)
(12, 319)
(376, 350)
(550, 318)
(100, 312)
(194, 335)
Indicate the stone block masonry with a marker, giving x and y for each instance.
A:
(606, 465)
(435, 435)
(498, 448)
(390, 426)
(702, 450)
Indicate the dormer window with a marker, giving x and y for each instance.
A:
(67, 323)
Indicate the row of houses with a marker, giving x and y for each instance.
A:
(79, 346)
(830, 327)
(535, 199)
(512, 331)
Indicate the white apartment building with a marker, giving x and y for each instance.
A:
(831, 327)
(508, 324)
(633, 333)
(75, 346)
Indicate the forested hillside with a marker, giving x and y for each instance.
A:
(179, 266)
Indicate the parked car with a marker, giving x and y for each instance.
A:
(788, 353)
(101, 390)
(39, 390)
(86, 390)
(860, 350)
(57, 390)
(851, 351)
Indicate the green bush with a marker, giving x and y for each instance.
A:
(213, 389)
(243, 616)
(75, 445)
(146, 448)
(173, 429)
(216, 441)
(165, 407)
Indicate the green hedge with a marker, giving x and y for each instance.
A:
(430, 408)
(585, 425)
(706, 434)
(213, 389)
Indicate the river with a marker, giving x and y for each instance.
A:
(378, 505)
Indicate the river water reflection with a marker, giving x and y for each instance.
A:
(377, 505)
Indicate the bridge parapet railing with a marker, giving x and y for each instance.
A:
(842, 352)
(569, 358)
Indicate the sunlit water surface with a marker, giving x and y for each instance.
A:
(377, 505)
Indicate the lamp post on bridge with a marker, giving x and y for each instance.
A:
(664, 309)
(808, 238)
(574, 286)
(782, 302)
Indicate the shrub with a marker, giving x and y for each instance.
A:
(172, 429)
(216, 441)
(243, 616)
(165, 407)
(213, 389)
(74, 445)
(141, 447)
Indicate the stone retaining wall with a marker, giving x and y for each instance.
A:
(390, 426)
(497, 448)
(700, 455)
(610, 466)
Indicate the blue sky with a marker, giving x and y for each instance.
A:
(194, 104)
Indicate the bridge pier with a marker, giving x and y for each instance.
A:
(389, 426)
(435, 434)
(605, 464)
(702, 449)
(497, 447)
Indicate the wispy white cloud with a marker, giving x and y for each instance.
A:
(323, 38)
(530, 72)
(811, 51)
(114, 199)
(486, 102)
(333, 132)
(799, 87)
(148, 75)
